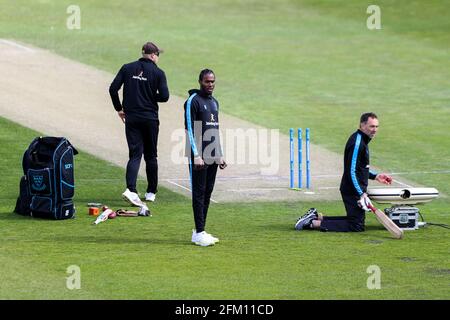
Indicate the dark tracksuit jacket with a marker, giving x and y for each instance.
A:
(201, 119)
(354, 183)
(144, 85)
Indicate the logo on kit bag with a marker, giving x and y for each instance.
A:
(38, 183)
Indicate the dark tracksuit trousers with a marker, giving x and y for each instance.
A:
(202, 185)
(354, 221)
(142, 138)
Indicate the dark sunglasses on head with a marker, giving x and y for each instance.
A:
(157, 53)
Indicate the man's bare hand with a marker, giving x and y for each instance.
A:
(222, 163)
(121, 115)
(383, 178)
(198, 163)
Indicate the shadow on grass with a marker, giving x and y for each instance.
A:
(368, 230)
(290, 227)
(374, 227)
(116, 240)
(15, 216)
(277, 226)
(10, 215)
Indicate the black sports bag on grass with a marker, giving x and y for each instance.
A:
(48, 185)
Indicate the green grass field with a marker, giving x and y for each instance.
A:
(260, 255)
(280, 64)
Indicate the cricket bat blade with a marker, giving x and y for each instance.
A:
(390, 226)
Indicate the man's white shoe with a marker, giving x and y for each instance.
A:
(150, 196)
(212, 237)
(132, 197)
(202, 239)
(195, 236)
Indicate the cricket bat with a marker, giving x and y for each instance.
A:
(382, 218)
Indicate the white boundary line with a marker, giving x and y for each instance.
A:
(403, 184)
(14, 44)
(179, 185)
(171, 181)
(262, 177)
(306, 191)
(185, 188)
(256, 189)
(421, 172)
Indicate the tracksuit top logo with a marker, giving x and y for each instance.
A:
(140, 77)
(212, 122)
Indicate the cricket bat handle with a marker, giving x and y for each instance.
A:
(390, 226)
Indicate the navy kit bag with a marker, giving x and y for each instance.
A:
(48, 186)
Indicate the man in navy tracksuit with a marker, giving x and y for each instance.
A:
(144, 85)
(353, 184)
(204, 151)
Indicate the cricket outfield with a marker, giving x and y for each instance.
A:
(279, 65)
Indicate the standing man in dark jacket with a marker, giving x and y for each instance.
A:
(144, 85)
(353, 184)
(205, 152)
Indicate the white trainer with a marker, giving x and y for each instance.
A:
(212, 237)
(132, 197)
(195, 236)
(202, 239)
(150, 196)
